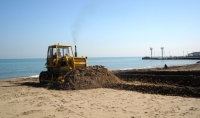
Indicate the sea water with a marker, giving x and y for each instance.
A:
(14, 68)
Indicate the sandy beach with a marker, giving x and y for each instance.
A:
(26, 98)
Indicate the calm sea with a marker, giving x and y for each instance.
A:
(13, 68)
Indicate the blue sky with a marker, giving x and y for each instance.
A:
(101, 28)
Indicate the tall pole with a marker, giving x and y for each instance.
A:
(162, 51)
(151, 51)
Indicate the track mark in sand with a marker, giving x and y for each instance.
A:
(50, 116)
(41, 104)
(65, 101)
(55, 95)
(62, 108)
(66, 110)
(40, 101)
(29, 112)
(43, 99)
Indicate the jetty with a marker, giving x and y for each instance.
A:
(190, 56)
(171, 58)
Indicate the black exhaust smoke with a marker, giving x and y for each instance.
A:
(75, 51)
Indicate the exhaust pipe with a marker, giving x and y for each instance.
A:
(75, 51)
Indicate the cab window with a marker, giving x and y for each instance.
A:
(50, 53)
(63, 51)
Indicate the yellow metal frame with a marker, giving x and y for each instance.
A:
(53, 62)
(58, 66)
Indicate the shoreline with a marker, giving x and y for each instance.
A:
(172, 65)
(162, 67)
(14, 78)
(144, 68)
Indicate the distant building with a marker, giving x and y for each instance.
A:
(194, 54)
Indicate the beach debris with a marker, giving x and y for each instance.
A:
(164, 82)
(87, 78)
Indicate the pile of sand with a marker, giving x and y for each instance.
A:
(87, 78)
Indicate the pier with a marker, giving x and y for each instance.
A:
(190, 56)
(171, 58)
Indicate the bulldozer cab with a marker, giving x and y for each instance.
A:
(58, 55)
(59, 51)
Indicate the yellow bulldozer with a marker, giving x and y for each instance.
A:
(60, 60)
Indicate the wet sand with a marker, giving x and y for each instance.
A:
(25, 97)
